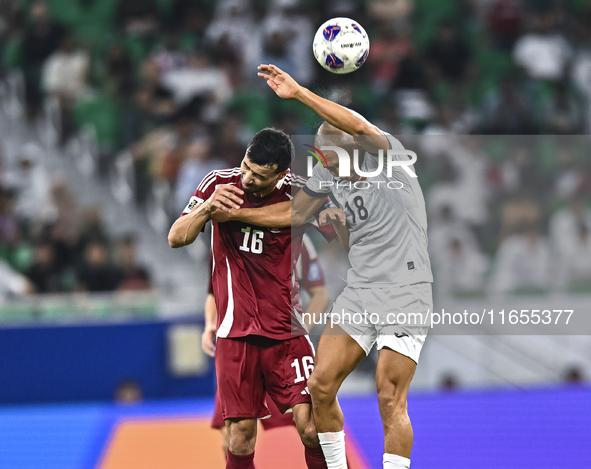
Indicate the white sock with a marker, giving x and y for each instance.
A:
(393, 461)
(333, 447)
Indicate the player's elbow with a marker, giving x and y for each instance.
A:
(174, 239)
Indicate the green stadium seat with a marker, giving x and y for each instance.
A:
(103, 114)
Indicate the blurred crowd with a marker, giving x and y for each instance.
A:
(51, 244)
(174, 84)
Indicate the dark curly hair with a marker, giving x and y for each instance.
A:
(271, 147)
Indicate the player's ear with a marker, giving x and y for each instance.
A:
(282, 174)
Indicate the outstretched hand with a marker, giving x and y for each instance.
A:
(282, 83)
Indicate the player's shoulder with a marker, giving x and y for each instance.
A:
(219, 176)
(395, 144)
(292, 180)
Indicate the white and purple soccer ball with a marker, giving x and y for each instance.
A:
(341, 45)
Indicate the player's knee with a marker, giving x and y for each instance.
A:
(321, 390)
(242, 437)
(308, 434)
(391, 399)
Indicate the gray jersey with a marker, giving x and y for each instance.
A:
(387, 223)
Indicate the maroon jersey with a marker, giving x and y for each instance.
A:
(252, 266)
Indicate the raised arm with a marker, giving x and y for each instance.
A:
(367, 134)
(186, 229)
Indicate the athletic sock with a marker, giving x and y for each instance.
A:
(333, 447)
(235, 461)
(393, 461)
(314, 457)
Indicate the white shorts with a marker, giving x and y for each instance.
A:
(394, 317)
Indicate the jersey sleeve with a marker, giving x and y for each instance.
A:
(314, 186)
(202, 193)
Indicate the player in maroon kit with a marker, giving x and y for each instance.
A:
(262, 344)
(311, 279)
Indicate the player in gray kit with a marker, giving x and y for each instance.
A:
(382, 223)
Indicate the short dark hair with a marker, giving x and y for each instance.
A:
(270, 147)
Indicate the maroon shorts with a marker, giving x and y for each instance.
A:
(276, 420)
(249, 367)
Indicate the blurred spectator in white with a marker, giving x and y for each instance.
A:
(562, 112)
(444, 228)
(519, 173)
(41, 39)
(65, 72)
(29, 180)
(276, 52)
(200, 78)
(64, 77)
(13, 284)
(396, 11)
(565, 224)
(233, 22)
(448, 57)
(389, 46)
(284, 18)
(522, 263)
(169, 56)
(460, 269)
(568, 178)
(462, 184)
(137, 17)
(45, 272)
(505, 110)
(544, 53)
(575, 261)
(197, 164)
(132, 276)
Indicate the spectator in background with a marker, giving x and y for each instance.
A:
(565, 224)
(45, 273)
(520, 174)
(92, 228)
(96, 273)
(62, 226)
(544, 53)
(117, 75)
(388, 48)
(505, 20)
(448, 57)
(581, 67)
(9, 228)
(13, 284)
(562, 113)
(199, 78)
(461, 269)
(517, 215)
(445, 228)
(190, 17)
(276, 52)
(138, 17)
(231, 139)
(523, 263)
(575, 262)
(64, 77)
(133, 276)
(42, 37)
(284, 18)
(568, 177)
(169, 56)
(30, 182)
(506, 110)
(197, 163)
(153, 104)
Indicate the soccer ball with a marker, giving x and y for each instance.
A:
(341, 45)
